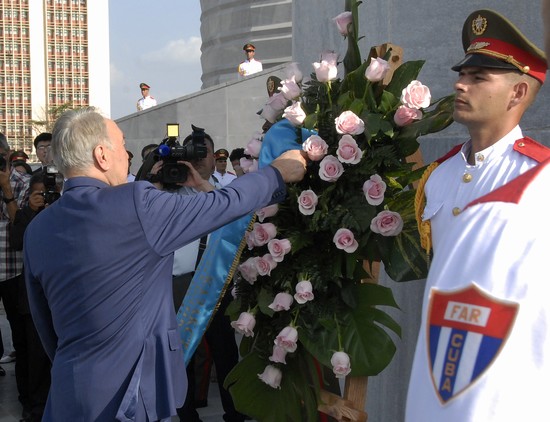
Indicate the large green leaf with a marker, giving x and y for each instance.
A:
(403, 75)
(295, 401)
(369, 346)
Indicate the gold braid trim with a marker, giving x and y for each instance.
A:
(424, 227)
(233, 268)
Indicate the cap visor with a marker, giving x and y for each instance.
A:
(482, 60)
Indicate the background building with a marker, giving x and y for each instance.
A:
(227, 25)
(53, 54)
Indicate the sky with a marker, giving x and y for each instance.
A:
(157, 42)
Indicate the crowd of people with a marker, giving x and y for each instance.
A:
(91, 303)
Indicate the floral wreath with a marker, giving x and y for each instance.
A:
(301, 300)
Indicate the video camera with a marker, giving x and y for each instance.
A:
(51, 175)
(170, 152)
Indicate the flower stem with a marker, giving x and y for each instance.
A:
(295, 319)
(339, 333)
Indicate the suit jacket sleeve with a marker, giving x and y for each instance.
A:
(171, 221)
(42, 316)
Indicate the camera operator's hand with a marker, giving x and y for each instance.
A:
(195, 180)
(36, 200)
(154, 170)
(292, 165)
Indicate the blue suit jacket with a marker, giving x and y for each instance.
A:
(99, 276)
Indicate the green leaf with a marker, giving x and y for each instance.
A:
(403, 75)
(295, 401)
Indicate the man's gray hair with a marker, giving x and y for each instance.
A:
(75, 135)
(4, 142)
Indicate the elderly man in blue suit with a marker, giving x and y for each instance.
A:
(98, 270)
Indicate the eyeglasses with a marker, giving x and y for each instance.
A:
(221, 160)
(42, 147)
(249, 51)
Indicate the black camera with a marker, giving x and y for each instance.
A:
(170, 152)
(51, 176)
(3, 163)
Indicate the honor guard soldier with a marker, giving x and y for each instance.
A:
(482, 346)
(146, 101)
(250, 65)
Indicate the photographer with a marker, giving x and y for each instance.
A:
(13, 195)
(37, 362)
(219, 336)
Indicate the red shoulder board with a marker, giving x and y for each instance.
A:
(513, 190)
(450, 154)
(532, 149)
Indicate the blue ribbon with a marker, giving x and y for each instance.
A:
(222, 254)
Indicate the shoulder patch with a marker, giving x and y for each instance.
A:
(466, 330)
(532, 149)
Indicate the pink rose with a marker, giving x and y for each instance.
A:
(274, 107)
(248, 166)
(249, 270)
(348, 151)
(387, 223)
(405, 116)
(265, 264)
(262, 233)
(272, 376)
(340, 364)
(253, 147)
(315, 147)
(287, 339)
(278, 248)
(278, 355)
(342, 21)
(348, 122)
(416, 95)
(377, 70)
(269, 114)
(281, 302)
(304, 292)
(295, 114)
(307, 201)
(292, 71)
(374, 190)
(330, 169)
(290, 89)
(344, 239)
(326, 69)
(267, 212)
(245, 324)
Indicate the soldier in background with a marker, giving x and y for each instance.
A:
(146, 101)
(250, 65)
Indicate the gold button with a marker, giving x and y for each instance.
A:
(456, 211)
(521, 144)
(467, 178)
(480, 157)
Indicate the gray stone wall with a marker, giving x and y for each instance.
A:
(226, 25)
(226, 111)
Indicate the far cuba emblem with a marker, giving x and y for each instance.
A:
(466, 330)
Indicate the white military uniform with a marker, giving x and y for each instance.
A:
(485, 324)
(224, 179)
(146, 102)
(455, 183)
(249, 67)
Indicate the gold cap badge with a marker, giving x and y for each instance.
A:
(479, 25)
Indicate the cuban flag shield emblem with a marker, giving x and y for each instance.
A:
(467, 328)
